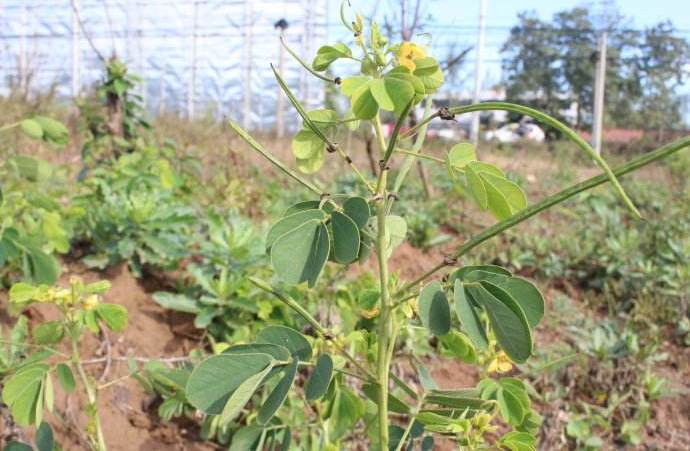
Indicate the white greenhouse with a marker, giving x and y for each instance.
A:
(194, 56)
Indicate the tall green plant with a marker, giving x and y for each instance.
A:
(496, 312)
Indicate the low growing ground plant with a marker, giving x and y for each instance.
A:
(495, 311)
(31, 363)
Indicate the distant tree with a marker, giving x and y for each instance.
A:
(550, 65)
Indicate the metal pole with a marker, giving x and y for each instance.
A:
(599, 87)
(246, 82)
(280, 99)
(192, 79)
(474, 130)
(22, 63)
(76, 50)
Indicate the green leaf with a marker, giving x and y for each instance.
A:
(507, 319)
(460, 346)
(434, 310)
(345, 238)
(301, 206)
(350, 85)
(476, 187)
(429, 73)
(22, 292)
(395, 404)
(458, 399)
(518, 441)
(469, 317)
(396, 229)
(113, 315)
(17, 446)
(528, 296)
(392, 93)
(23, 391)
(44, 268)
(291, 222)
(329, 53)
(213, 381)
(348, 409)
(278, 352)
(320, 378)
(306, 144)
(426, 66)
(241, 396)
(358, 210)
(277, 397)
(44, 438)
(300, 255)
(65, 377)
(510, 407)
(245, 438)
(47, 333)
(463, 272)
(177, 302)
(311, 165)
(461, 154)
(364, 105)
(53, 131)
(504, 197)
(288, 338)
(31, 128)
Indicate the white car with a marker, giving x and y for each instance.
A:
(511, 133)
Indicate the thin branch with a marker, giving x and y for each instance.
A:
(550, 201)
(75, 8)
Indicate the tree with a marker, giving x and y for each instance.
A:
(550, 65)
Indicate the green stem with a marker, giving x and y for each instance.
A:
(548, 120)
(96, 435)
(8, 127)
(246, 137)
(410, 423)
(420, 155)
(301, 311)
(550, 201)
(385, 332)
(416, 148)
(303, 63)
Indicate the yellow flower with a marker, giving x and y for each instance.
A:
(90, 302)
(500, 364)
(408, 52)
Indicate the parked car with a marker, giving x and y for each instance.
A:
(514, 132)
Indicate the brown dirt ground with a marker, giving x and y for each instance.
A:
(129, 415)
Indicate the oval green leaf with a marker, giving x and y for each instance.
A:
(434, 310)
(345, 238)
(320, 378)
(291, 222)
(300, 254)
(469, 317)
(358, 210)
(277, 397)
(288, 338)
(213, 381)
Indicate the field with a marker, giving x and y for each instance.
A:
(159, 274)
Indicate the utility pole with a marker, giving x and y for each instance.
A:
(474, 130)
(76, 50)
(599, 86)
(191, 87)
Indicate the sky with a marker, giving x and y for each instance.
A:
(456, 21)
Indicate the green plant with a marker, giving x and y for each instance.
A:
(134, 211)
(28, 381)
(219, 294)
(496, 310)
(35, 223)
(114, 119)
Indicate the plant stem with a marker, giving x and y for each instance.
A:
(277, 163)
(311, 320)
(550, 201)
(97, 442)
(385, 318)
